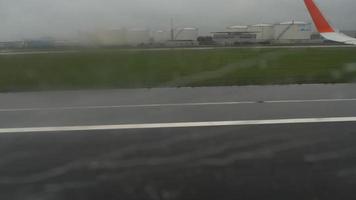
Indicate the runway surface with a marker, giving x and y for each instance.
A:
(255, 142)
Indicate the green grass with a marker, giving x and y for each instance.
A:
(113, 68)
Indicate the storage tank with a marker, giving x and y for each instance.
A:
(292, 31)
(264, 32)
(189, 34)
(138, 36)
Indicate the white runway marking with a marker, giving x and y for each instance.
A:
(178, 125)
(173, 105)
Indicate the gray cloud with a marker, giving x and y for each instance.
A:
(63, 18)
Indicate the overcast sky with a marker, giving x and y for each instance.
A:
(64, 18)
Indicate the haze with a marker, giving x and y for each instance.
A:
(20, 19)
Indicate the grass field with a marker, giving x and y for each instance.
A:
(114, 68)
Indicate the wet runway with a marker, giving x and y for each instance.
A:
(308, 151)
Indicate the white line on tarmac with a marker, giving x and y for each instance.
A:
(172, 105)
(178, 125)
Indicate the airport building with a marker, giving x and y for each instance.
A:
(178, 37)
(181, 43)
(234, 35)
(231, 38)
(292, 32)
(286, 32)
(238, 28)
(264, 32)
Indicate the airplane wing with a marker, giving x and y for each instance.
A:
(324, 27)
(339, 37)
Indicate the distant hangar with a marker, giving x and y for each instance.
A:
(285, 32)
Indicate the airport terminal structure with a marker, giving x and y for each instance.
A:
(286, 32)
(289, 32)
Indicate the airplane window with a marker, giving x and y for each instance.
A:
(177, 100)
